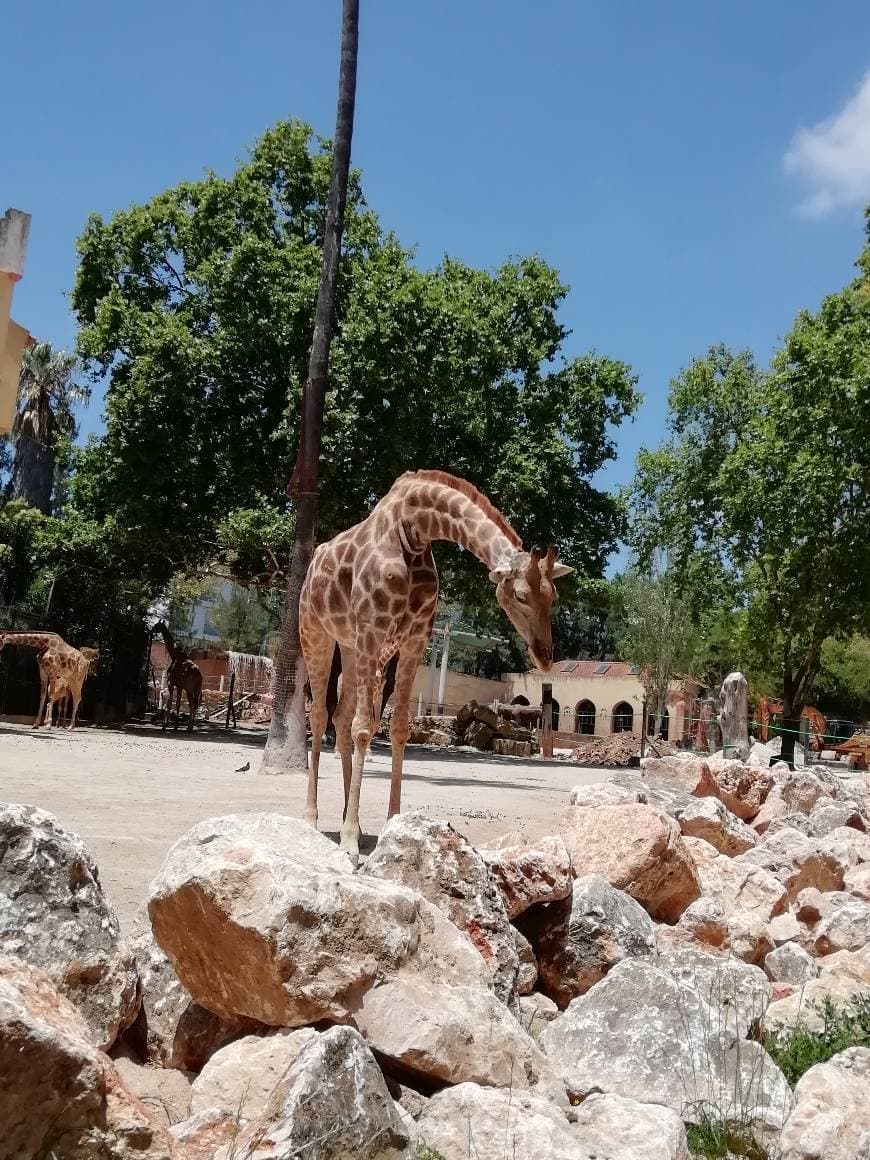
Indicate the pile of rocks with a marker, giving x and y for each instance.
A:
(585, 995)
(617, 749)
(478, 726)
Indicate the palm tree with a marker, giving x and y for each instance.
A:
(286, 747)
(47, 395)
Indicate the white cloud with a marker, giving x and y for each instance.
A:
(833, 157)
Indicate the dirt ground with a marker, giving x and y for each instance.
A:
(130, 794)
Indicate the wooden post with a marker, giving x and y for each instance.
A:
(230, 709)
(546, 719)
(643, 714)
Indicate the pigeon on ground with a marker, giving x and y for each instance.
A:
(244, 768)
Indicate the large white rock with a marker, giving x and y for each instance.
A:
(709, 819)
(531, 873)
(636, 848)
(579, 940)
(802, 790)
(623, 1129)
(240, 1078)
(842, 977)
(742, 788)
(203, 1136)
(737, 992)
(844, 925)
(171, 1029)
(749, 896)
(643, 1034)
(491, 1124)
(453, 1035)
(790, 963)
(797, 861)
(831, 1118)
(332, 1103)
(261, 916)
(59, 1096)
(857, 881)
(55, 915)
(434, 859)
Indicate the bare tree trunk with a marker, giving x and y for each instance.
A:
(286, 748)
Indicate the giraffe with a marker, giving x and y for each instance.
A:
(183, 676)
(91, 655)
(373, 590)
(62, 671)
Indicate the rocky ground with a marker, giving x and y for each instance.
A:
(619, 988)
(131, 794)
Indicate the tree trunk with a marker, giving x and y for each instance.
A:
(33, 473)
(286, 748)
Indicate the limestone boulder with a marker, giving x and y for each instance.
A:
(453, 1035)
(834, 816)
(709, 819)
(578, 941)
(742, 788)
(60, 1096)
(623, 1129)
(262, 917)
(831, 1117)
(737, 992)
(844, 925)
(847, 844)
(434, 859)
(165, 1091)
(804, 1007)
(801, 822)
(748, 895)
(774, 808)
(535, 1011)
(643, 1034)
(636, 848)
(784, 928)
(802, 790)
(240, 1078)
(797, 861)
(704, 924)
(332, 1103)
(203, 1136)
(790, 963)
(171, 1030)
(491, 1124)
(55, 915)
(530, 874)
(684, 771)
(600, 793)
(809, 905)
(857, 881)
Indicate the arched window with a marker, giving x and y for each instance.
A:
(584, 718)
(623, 717)
(651, 724)
(520, 700)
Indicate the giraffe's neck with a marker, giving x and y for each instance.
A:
(436, 511)
(30, 639)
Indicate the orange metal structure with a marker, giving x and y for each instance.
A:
(817, 722)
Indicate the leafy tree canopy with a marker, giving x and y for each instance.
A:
(197, 309)
(763, 488)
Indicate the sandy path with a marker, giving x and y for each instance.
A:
(131, 794)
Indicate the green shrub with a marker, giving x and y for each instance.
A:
(796, 1049)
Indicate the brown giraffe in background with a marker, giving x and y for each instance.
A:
(182, 676)
(373, 590)
(64, 706)
(62, 671)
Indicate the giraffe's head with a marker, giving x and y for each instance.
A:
(91, 655)
(525, 590)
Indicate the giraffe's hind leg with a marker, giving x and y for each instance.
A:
(343, 716)
(368, 679)
(409, 659)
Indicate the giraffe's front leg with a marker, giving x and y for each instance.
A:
(367, 680)
(318, 653)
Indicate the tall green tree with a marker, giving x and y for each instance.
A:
(44, 423)
(767, 475)
(656, 634)
(197, 310)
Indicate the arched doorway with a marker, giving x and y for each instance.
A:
(651, 724)
(584, 718)
(556, 714)
(520, 700)
(623, 717)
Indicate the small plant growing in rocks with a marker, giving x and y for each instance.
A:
(796, 1049)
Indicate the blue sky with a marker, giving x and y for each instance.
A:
(677, 162)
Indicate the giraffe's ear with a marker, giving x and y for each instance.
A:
(499, 574)
(561, 570)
